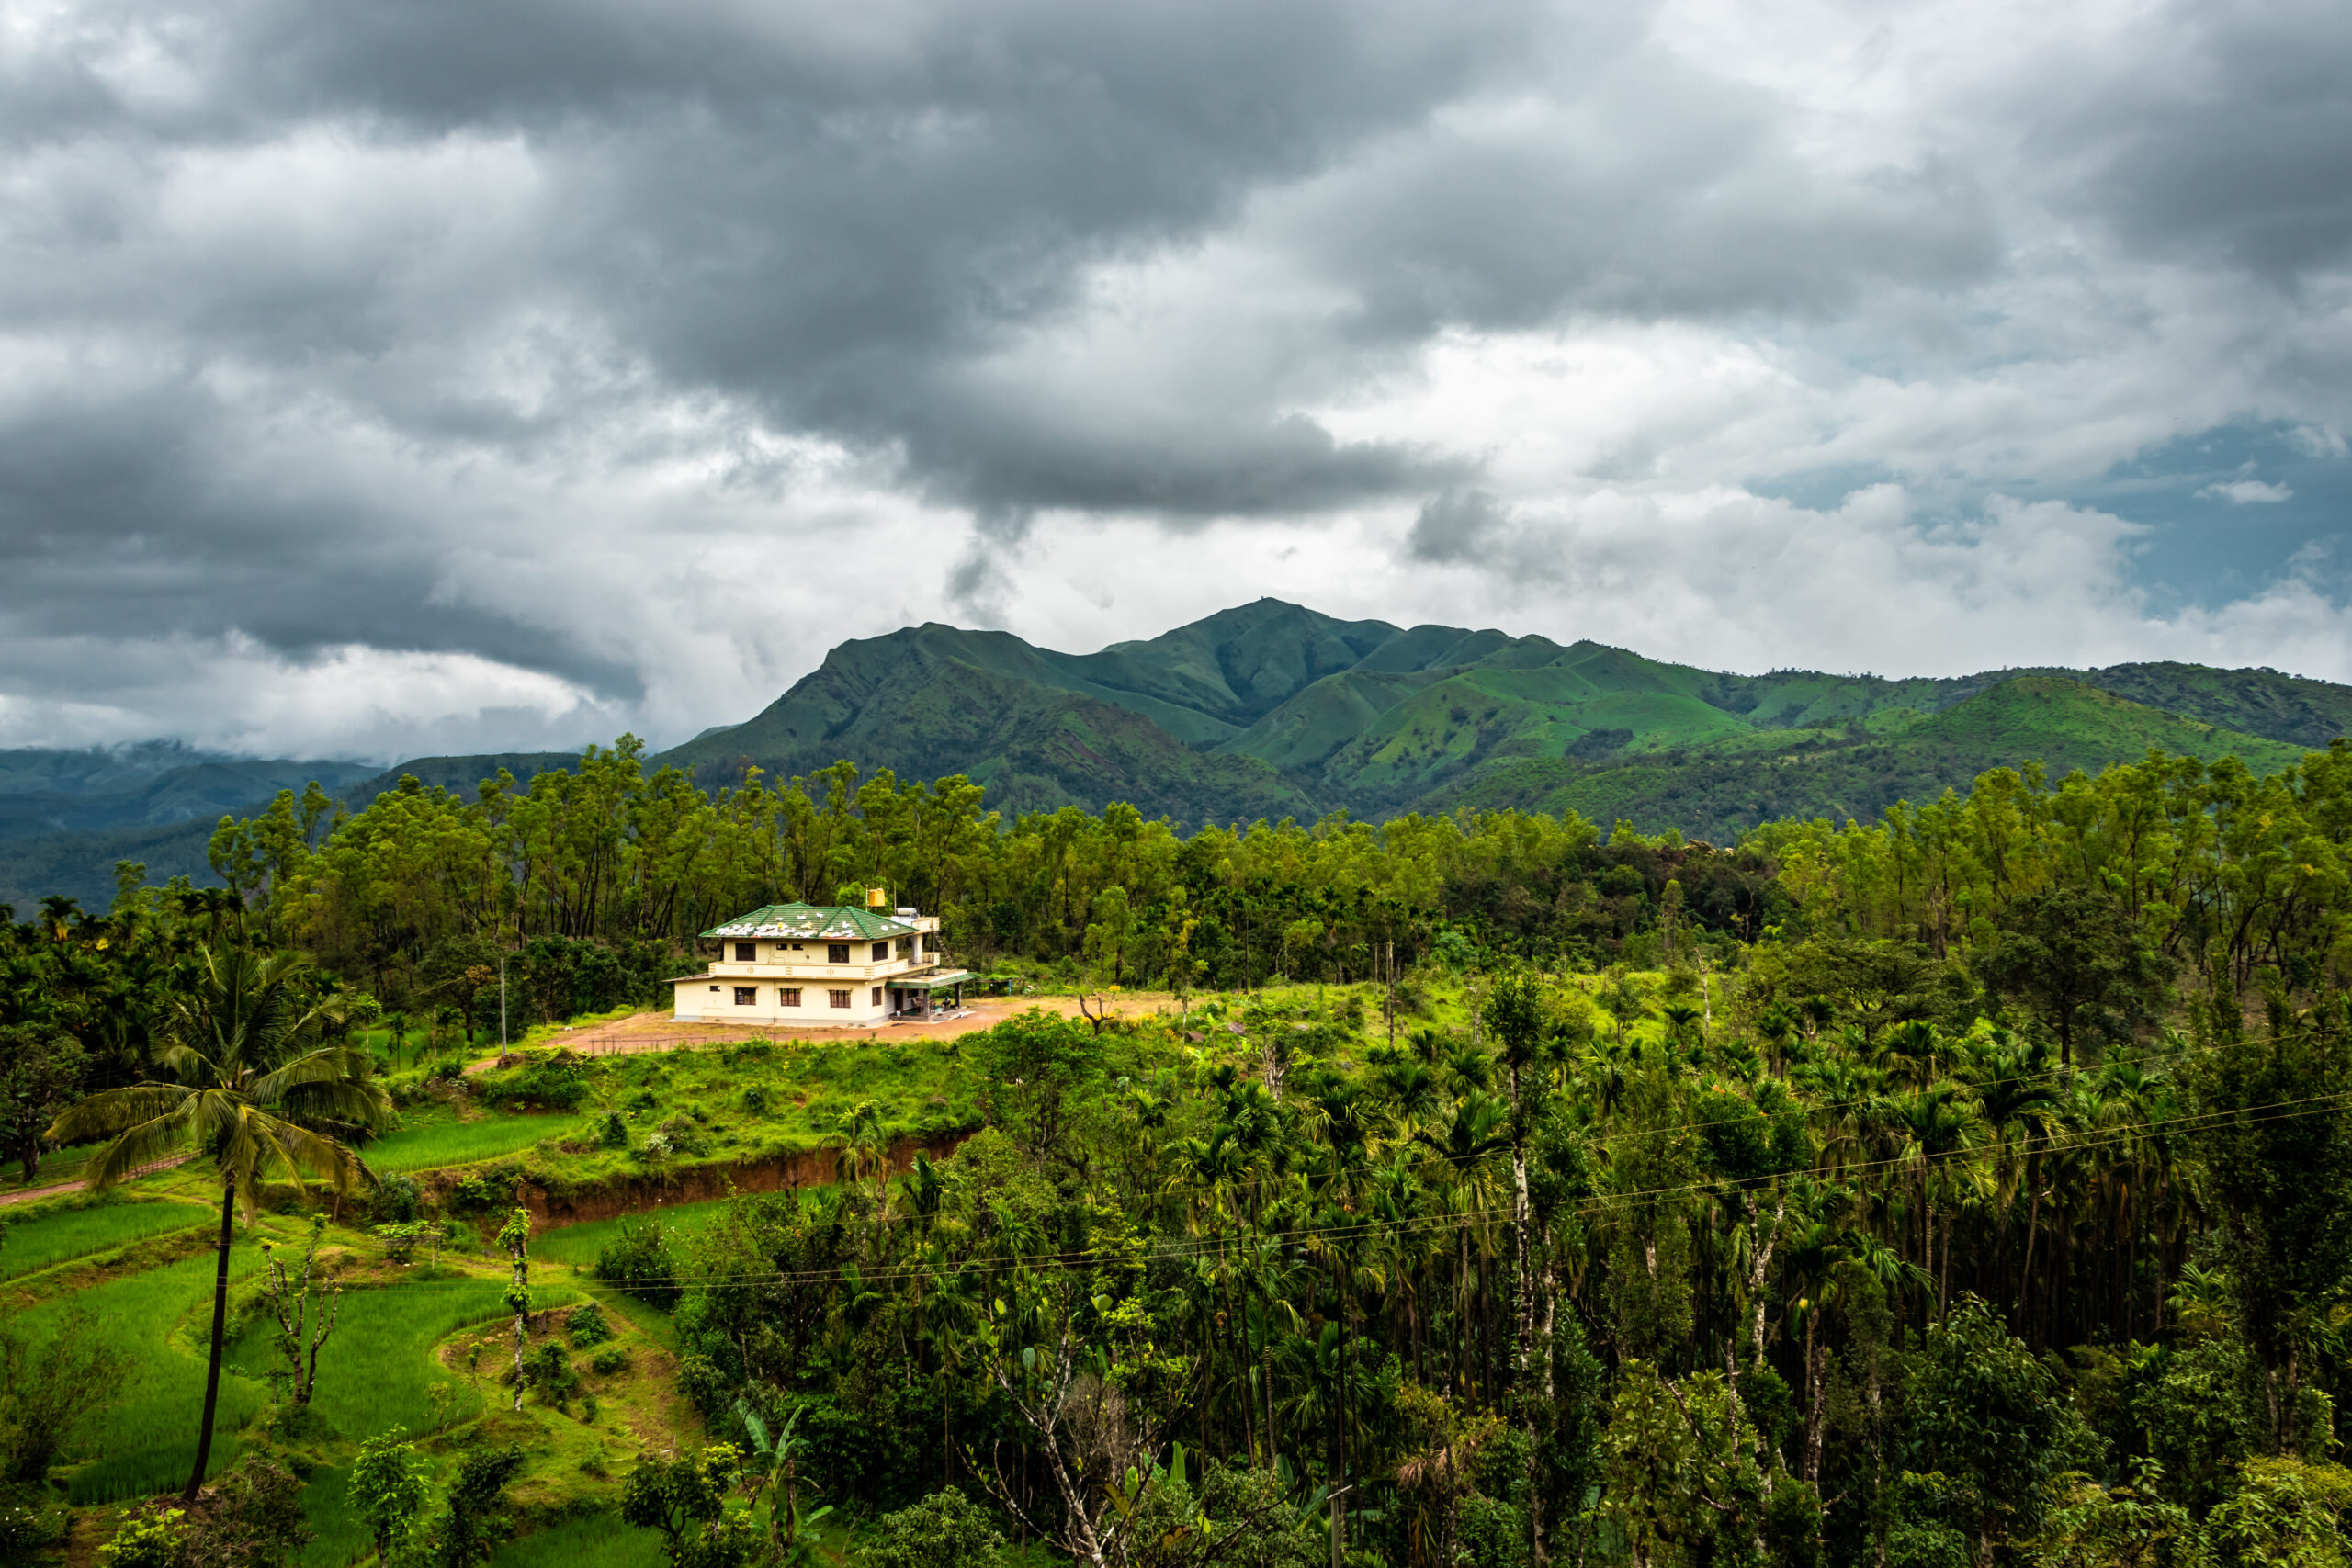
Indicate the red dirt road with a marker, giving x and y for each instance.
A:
(659, 1031)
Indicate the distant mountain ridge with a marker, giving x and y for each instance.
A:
(1272, 709)
(66, 816)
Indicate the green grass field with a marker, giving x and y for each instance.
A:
(584, 1543)
(375, 1369)
(580, 1244)
(342, 1536)
(62, 1235)
(146, 1443)
(430, 1139)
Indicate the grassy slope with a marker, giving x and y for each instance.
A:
(144, 1445)
(1037, 747)
(2289, 708)
(2061, 723)
(46, 1240)
(435, 1137)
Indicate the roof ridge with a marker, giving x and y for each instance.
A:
(812, 920)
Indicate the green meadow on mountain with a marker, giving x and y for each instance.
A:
(1271, 708)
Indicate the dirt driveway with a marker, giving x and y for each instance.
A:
(659, 1031)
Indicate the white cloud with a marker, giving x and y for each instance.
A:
(2247, 492)
(354, 397)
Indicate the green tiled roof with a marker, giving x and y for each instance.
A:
(803, 923)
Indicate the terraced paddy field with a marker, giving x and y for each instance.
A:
(437, 1137)
(43, 1241)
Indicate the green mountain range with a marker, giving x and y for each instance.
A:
(1271, 710)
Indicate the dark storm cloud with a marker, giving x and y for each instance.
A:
(828, 209)
(334, 324)
(1455, 526)
(2234, 143)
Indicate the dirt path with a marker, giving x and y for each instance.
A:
(30, 1193)
(659, 1031)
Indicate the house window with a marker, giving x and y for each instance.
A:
(714, 988)
(839, 999)
(881, 951)
(837, 953)
(791, 995)
(747, 996)
(877, 995)
(747, 953)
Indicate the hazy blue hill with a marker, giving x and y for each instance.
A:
(460, 775)
(105, 769)
(80, 861)
(44, 791)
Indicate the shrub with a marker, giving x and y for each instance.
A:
(27, 1529)
(149, 1538)
(945, 1529)
(399, 1199)
(612, 1132)
(586, 1326)
(471, 1523)
(446, 1070)
(609, 1360)
(685, 1138)
(559, 1081)
(549, 1370)
(251, 1519)
(755, 1100)
(637, 1259)
(400, 1241)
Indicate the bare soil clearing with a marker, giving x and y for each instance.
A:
(659, 1031)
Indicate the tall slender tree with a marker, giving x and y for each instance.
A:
(253, 1084)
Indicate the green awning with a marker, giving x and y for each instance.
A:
(930, 982)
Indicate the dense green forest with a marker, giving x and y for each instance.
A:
(1968, 1185)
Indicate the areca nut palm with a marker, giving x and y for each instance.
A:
(255, 1083)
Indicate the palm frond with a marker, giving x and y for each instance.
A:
(300, 1149)
(334, 1065)
(189, 1065)
(158, 1138)
(111, 1111)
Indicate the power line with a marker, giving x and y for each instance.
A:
(1200, 1245)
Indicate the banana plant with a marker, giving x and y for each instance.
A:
(771, 1464)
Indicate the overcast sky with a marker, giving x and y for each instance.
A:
(445, 374)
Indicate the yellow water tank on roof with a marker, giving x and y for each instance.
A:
(877, 898)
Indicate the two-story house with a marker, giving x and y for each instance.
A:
(822, 964)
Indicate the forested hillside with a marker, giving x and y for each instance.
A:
(1272, 709)
(1960, 1187)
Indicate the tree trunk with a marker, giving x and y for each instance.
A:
(1816, 1368)
(219, 1331)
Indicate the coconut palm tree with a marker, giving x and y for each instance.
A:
(251, 1085)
